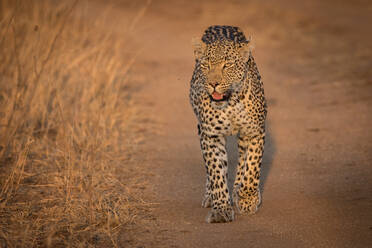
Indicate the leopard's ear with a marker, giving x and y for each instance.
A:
(245, 49)
(199, 48)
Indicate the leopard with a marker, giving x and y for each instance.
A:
(227, 98)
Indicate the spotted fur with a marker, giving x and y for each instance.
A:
(227, 97)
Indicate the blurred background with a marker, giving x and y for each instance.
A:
(98, 143)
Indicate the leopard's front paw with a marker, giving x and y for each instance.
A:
(220, 215)
(207, 201)
(247, 203)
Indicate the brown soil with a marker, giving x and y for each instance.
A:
(315, 59)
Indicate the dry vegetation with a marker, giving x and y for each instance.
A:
(64, 109)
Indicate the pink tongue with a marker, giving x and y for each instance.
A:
(217, 96)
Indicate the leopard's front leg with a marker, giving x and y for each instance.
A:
(246, 194)
(215, 157)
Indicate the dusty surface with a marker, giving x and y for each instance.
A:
(315, 59)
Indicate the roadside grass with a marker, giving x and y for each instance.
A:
(65, 107)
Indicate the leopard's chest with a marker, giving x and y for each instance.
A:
(228, 120)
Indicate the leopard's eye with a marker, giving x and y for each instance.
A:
(228, 64)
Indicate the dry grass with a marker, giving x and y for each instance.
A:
(64, 109)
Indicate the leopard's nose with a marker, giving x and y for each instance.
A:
(214, 83)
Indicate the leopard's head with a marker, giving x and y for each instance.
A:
(223, 65)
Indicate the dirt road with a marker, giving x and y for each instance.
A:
(315, 59)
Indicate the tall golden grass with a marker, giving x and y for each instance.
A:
(64, 112)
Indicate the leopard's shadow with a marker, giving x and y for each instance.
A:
(232, 153)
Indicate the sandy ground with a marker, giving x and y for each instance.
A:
(315, 59)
